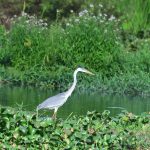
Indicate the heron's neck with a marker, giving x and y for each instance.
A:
(74, 82)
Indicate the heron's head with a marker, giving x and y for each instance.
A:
(84, 70)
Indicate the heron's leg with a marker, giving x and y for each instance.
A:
(55, 112)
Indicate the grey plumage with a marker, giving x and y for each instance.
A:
(58, 100)
(52, 102)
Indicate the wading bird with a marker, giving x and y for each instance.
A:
(58, 100)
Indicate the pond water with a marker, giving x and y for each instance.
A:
(78, 103)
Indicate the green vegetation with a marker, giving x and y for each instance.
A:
(23, 130)
(110, 38)
(99, 36)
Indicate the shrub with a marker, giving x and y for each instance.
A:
(87, 40)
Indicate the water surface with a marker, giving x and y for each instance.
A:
(78, 103)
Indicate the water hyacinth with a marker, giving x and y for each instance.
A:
(21, 130)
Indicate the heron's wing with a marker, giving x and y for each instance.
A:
(54, 101)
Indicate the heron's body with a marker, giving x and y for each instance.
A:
(58, 100)
(55, 101)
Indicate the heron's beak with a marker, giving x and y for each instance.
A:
(89, 72)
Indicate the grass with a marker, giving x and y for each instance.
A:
(36, 46)
(21, 129)
(35, 53)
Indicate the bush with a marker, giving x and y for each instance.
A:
(35, 53)
(86, 40)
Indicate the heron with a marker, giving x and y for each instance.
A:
(54, 102)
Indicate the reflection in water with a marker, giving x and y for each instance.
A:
(77, 103)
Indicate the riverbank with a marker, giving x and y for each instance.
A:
(125, 84)
(21, 129)
(39, 53)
